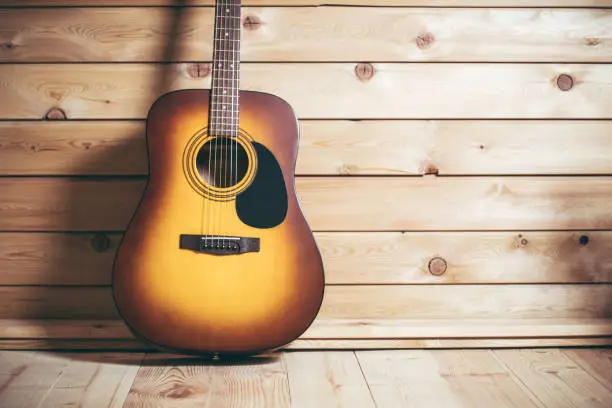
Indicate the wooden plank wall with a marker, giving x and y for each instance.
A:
(455, 161)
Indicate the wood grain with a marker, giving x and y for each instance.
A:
(326, 380)
(446, 328)
(478, 379)
(57, 259)
(70, 329)
(349, 329)
(598, 363)
(485, 203)
(318, 34)
(79, 148)
(349, 258)
(396, 378)
(171, 381)
(354, 302)
(467, 301)
(427, 90)
(82, 345)
(555, 379)
(446, 378)
(496, 257)
(404, 378)
(92, 380)
(399, 3)
(414, 147)
(28, 378)
(100, 380)
(324, 344)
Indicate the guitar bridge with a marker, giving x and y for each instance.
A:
(219, 245)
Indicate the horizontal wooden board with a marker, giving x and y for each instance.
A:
(73, 344)
(338, 203)
(497, 257)
(78, 148)
(354, 302)
(400, 3)
(308, 34)
(335, 344)
(412, 147)
(340, 328)
(349, 258)
(320, 91)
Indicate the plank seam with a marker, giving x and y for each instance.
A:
(586, 370)
(517, 379)
(365, 379)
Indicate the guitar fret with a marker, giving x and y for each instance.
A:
(225, 92)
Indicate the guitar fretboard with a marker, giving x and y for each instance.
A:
(224, 104)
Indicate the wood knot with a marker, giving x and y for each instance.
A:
(179, 391)
(9, 45)
(565, 82)
(584, 240)
(592, 42)
(33, 148)
(430, 170)
(365, 71)
(348, 169)
(198, 70)
(437, 266)
(425, 40)
(100, 242)
(524, 242)
(55, 114)
(251, 22)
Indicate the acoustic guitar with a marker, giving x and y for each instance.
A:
(218, 257)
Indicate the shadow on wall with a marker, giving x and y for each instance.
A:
(86, 258)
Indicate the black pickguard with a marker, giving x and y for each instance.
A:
(264, 203)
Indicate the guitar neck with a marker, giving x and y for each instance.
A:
(224, 104)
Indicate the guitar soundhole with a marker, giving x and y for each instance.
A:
(222, 162)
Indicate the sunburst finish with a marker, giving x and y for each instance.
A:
(201, 303)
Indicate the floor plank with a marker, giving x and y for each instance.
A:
(406, 378)
(94, 382)
(32, 376)
(597, 362)
(479, 380)
(65, 380)
(555, 379)
(522, 378)
(173, 381)
(448, 378)
(327, 380)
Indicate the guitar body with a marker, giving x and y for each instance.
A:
(178, 288)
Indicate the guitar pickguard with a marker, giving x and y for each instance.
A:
(264, 203)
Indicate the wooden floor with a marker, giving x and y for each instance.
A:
(370, 379)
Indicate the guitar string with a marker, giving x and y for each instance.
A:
(237, 83)
(224, 85)
(223, 117)
(235, 92)
(212, 130)
(219, 125)
(229, 11)
(209, 237)
(229, 90)
(215, 114)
